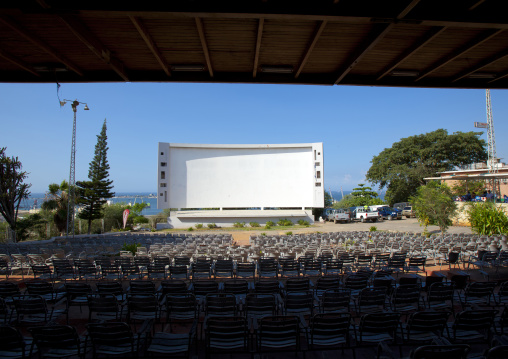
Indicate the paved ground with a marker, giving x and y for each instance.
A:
(405, 225)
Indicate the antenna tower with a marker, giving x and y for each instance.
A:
(72, 177)
(491, 137)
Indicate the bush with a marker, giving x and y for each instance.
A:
(267, 226)
(140, 220)
(239, 224)
(190, 229)
(301, 222)
(211, 225)
(284, 223)
(254, 224)
(263, 234)
(372, 229)
(199, 226)
(289, 233)
(131, 247)
(270, 223)
(487, 219)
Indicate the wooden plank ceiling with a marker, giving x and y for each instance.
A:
(408, 43)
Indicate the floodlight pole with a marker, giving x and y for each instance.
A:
(71, 202)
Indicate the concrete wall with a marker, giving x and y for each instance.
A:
(226, 218)
(240, 176)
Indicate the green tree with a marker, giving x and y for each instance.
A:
(31, 224)
(434, 205)
(58, 198)
(113, 216)
(94, 192)
(12, 188)
(403, 167)
(363, 195)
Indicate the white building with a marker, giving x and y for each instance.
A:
(267, 176)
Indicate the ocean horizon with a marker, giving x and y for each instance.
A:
(35, 200)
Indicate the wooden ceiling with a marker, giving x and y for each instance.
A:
(406, 43)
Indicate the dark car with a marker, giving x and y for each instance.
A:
(398, 211)
(387, 213)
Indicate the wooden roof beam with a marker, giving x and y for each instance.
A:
(18, 62)
(93, 43)
(482, 64)
(489, 34)
(378, 35)
(499, 77)
(138, 24)
(345, 19)
(199, 25)
(41, 44)
(315, 39)
(475, 5)
(428, 37)
(258, 47)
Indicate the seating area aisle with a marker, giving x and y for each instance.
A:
(352, 294)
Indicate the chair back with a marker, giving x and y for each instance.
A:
(220, 304)
(57, 341)
(335, 300)
(455, 351)
(226, 334)
(278, 332)
(329, 329)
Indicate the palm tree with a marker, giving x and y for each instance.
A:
(56, 202)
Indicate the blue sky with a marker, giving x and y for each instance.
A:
(354, 123)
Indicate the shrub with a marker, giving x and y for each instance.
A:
(372, 229)
(190, 229)
(140, 220)
(239, 224)
(487, 219)
(301, 222)
(263, 233)
(284, 223)
(289, 233)
(270, 223)
(211, 225)
(199, 225)
(131, 247)
(267, 226)
(254, 224)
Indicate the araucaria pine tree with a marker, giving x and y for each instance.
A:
(92, 194)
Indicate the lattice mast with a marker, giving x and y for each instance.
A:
(72, 176)
(491, 137)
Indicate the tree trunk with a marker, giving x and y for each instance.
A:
(89, 225)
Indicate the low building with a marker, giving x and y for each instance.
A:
(495, 182)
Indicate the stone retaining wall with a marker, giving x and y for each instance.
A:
(461, 218)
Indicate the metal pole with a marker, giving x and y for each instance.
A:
(72, 176)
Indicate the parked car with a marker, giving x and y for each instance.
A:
(399, 212)
(337, 215)
(364, 214)
(401, 205)
(387, 213)
(408, 212)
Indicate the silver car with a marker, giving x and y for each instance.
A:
(408, 212)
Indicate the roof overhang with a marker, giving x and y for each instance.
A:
(401, 43)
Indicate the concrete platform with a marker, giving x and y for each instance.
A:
(226, 218)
